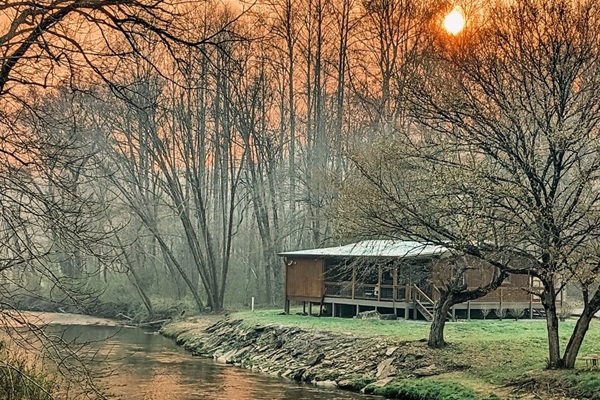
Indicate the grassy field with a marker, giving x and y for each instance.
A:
(499, 353)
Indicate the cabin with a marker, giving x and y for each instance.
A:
(396, 277)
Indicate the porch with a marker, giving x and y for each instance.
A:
(410, 301)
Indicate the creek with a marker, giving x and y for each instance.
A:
(147, 366)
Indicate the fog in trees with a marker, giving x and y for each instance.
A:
(155, 157)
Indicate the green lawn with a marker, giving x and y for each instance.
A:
(498, 352)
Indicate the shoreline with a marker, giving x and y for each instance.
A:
(21, 318)
(484, 359)
(372, 365)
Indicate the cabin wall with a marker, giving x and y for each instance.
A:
(481, 273)
(305, 279)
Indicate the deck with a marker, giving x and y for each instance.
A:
(411, 302)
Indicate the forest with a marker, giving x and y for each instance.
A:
(157, 155)
(163, 179)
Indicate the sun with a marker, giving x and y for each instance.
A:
(454, 21)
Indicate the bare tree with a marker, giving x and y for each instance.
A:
(504, 163)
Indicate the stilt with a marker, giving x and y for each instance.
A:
(468, 310)
(310, 308)
(333, 310)
(304, 308)
(530, 307)
(453, 314)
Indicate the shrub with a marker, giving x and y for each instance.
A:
(566, 311)
(500, 313)
(485, 312)
(517, 313)
(19, 380)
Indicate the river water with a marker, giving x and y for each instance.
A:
(147, 366)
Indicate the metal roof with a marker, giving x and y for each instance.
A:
(374, 248)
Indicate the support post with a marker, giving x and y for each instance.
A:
(561, 299)
(468, 310)
(303, 307)
(333, 310)
(310, 308)
(379, 284)
(530, 306)
(286, 304)
(453, 314)
(395, 284)
(353, 281)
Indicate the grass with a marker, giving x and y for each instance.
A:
(424, 389)
(497, 353)
(20, 380)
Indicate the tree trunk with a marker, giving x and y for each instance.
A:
(440, 313)
(581, 328)
(554, 359)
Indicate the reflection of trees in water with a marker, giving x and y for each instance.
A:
(151, 367)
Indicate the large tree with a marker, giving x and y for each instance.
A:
(501, 161)
(48, 208)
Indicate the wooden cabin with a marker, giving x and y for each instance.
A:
(396, 277)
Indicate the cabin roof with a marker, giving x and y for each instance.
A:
(374, 248)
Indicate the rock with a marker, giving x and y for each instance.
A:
(390, 351)
(427, 371)
(226, 358)
(385, 368)
(382, 382)
(345, 384)
(297, 374)
(326, 384)
(316, 359)
(368, 315)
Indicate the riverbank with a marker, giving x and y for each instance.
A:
(486, 359)
(38, 318)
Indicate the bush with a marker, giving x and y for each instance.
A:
(500, 313)
(18, 380)
(485, 312)
(517, 313)
(566, 311)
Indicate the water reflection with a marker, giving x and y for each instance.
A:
(150, 367)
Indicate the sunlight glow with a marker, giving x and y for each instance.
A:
(454, 21)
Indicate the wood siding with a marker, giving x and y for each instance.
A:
(305, 279)
(480, 274)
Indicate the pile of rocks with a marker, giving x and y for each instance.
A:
(323, 358)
